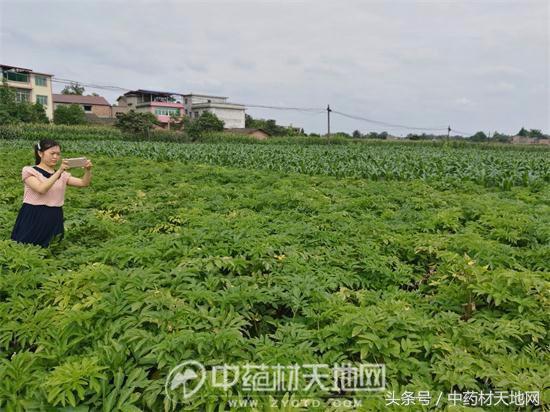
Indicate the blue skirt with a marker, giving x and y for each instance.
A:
(38, 224)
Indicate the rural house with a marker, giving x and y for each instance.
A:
(529, 140)
(162, 104)
(259, 134)
(29, 86)
(231, 113)
(92, 105)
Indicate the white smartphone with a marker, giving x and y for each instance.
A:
(76, 162)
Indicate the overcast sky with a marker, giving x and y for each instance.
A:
(476, 65)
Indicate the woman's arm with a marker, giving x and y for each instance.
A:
(42, 187)
(85, 180)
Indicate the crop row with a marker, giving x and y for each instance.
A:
(490, 168)
(164, 262)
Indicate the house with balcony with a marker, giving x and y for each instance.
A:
(164, 105)
(231, 113)
(29, 85)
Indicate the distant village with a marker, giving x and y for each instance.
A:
(36, 87)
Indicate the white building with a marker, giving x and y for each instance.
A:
(231, 113)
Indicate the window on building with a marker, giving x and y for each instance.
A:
(43, 100)
(87, 108)
(40, 80)
(167, 111)
(22, 95)
(16, 77)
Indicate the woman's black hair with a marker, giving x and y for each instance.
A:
(43, 145)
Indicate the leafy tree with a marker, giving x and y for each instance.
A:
(209, 122)
(501, 138)
(206, 122)
(73, 88)
(479, 137)
(8, 105)
(523, 132)
(374, 135)
(249, 121)
(357, 134)
(5, 117)
(535, 133)
(69, 114)
(12, 111)
(7, 94)
(176, 122)
(34, 113)
(136, 122)
(269, 126)
(192, 128)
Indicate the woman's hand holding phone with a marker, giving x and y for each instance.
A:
(64, 165)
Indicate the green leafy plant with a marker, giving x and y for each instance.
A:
(275, 253)
(71, 114)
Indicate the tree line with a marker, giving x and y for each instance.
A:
(476, 137)
(14, 112)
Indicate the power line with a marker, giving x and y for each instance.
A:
(462, 133)
(301, 109)
(90, 85)
(399, 126)
(310, 110)
(113, 88)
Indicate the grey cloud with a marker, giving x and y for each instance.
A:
(196, 67)
(482, 65)
(293, 61)
(244, 64)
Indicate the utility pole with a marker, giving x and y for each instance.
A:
(448, 132)
(328, 120)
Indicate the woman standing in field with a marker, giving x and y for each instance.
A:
(41, 216)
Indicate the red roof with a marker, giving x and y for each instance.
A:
(77, 99)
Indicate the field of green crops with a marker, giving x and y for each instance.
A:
(432, 260)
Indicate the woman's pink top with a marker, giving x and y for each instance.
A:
(53, 197)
